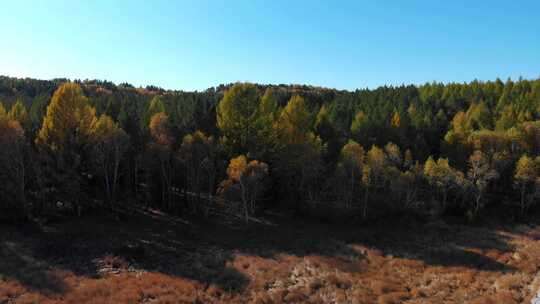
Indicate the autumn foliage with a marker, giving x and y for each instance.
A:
(428, 150)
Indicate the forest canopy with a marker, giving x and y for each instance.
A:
(432, 149)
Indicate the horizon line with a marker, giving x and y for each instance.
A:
(371, 88)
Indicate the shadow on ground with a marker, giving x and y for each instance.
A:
(34, 274)
(203, 250)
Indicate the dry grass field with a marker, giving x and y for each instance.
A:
(154, 258)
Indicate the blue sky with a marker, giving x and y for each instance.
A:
(193, 45)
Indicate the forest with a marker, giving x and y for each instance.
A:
(432, 150)
(259, 194)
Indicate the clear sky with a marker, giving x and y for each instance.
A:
(193, 45)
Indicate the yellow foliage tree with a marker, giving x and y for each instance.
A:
(108, 144)
(527, 180)
(299, 149)
(18, 112)
(198, 154)
(246, 181)
(441, 176)
(349, 171)
(68, 120)
(2, 110)
(65, 133)
(396, 120)
(160, 150)
(159, 129)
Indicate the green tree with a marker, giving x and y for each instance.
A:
(37, 112)
(264, 137)
(360, 128)
(237, 113)
(13, 169)
(508, 118)
(479, 116)
(328, 134)
(156, 106)
(268, 107)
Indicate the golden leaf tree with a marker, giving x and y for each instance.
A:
(246, 181)
(108, 144)
(68, 120)
(63, 138)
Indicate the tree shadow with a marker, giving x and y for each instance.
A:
(204, 250)
(34, 274)
(438, 244)
(94, 246)
(434, 244)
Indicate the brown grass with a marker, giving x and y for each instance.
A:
(393, 298)
(293, 262)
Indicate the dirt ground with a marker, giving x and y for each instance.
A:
(154, 258)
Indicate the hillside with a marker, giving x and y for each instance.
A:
(249, 193)
(149, 257)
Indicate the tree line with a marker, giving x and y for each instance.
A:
(434, 149)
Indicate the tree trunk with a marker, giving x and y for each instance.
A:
(523, 188)
(366, 198)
